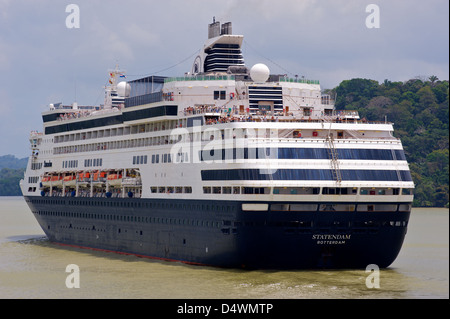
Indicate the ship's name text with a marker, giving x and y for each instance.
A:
(331, 239)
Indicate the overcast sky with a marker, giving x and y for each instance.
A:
(43, 61)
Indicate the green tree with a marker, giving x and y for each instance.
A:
(420, 110)
(9, 181)
(354, 92)
(433, 79)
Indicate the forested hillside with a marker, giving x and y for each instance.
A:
(9, 181)
(419, 109)
(11, 172)
(10, 161)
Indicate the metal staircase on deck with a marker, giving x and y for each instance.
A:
(334, 160)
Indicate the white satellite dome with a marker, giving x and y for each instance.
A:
(123, 89)
(259, 73)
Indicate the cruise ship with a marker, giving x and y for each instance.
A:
(227, 166)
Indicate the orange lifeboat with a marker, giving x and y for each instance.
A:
(70, 180)
(56, 180)
(114, 179)
(46, 180)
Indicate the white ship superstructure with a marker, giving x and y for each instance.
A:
(222, 140)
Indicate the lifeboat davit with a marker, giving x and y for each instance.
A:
(98, 178)
(83, 179)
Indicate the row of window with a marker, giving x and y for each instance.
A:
(220, 95)
(93, 162)
(225, 223)
(141, 204)
(140, 159)
(128, 218)
(341, 207)
(165, 158)
(307, 207)
(235, 190)
(36, 166)
(87, 163)
(163, 110)
(171, 189)
(305, 174)
(283, 153)
(142, 142)
(305, 190)
(301, 153)
(70, 164)
(121, 131)
(33, 179)
(168, 158)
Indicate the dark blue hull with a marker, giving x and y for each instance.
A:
(220, 233)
